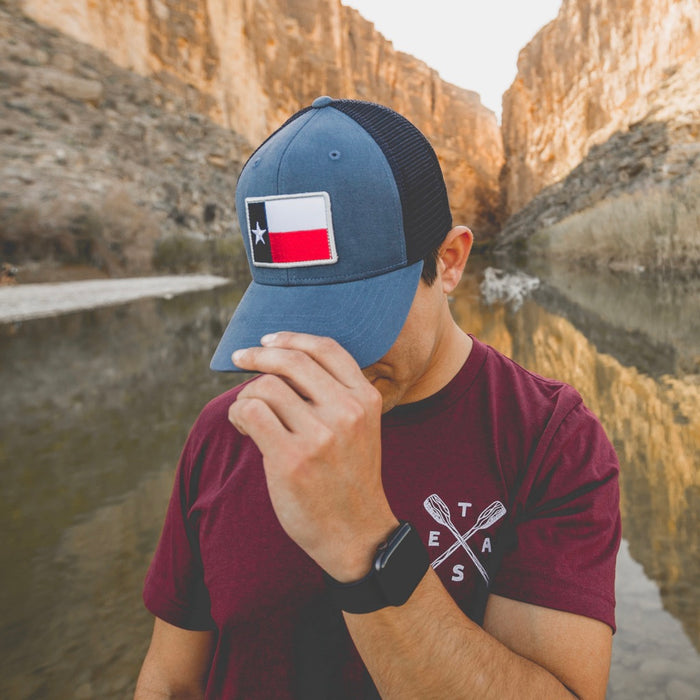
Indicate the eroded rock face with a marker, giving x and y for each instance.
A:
(255, 63)
(595, 70)
(98, 165)
(656, 157)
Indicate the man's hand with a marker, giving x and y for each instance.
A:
(316, 420)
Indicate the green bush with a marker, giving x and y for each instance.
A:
(186, 254)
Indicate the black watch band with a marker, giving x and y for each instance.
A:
(398, 567)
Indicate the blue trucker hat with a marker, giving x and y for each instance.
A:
(337, 209)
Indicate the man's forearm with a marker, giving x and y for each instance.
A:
(428, 648)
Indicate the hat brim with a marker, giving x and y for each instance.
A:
(365, 316)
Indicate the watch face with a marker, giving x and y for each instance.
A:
(401, 565)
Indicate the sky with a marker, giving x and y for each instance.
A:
(471, 43)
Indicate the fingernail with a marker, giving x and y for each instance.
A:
(268, 339)
(238, 355)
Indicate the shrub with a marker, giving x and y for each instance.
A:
(179, 253)
(114, 234)
(183, 253)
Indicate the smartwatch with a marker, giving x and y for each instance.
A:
(399, 566)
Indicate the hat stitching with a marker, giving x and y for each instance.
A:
(341, 278)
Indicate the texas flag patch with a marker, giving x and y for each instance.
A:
(291, 230)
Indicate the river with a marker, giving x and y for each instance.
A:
(95, 406)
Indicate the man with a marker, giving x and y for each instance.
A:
(379, 439)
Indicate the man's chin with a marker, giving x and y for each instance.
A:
(389, 392)
(391, 396)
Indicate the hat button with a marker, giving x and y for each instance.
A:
(321, 102)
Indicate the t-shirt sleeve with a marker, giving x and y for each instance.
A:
(174, 589)
(567, 523)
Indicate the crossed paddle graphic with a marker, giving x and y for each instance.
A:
(441, 513)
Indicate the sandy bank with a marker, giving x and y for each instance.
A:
(22, 302)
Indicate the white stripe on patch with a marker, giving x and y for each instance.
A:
(298, 214)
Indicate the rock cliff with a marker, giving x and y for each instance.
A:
(254, 63)
(632, 202)
(100, 168)
(597, 69)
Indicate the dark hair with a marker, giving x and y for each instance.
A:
(429, 273)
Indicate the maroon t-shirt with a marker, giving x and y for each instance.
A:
(498, 447)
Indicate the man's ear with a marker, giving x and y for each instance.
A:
(454, 253)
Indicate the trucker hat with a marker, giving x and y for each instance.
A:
(337, 208)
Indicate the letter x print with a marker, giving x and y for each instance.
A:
(441, 513)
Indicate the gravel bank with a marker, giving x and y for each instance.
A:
(22, 302)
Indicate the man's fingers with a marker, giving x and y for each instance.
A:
(309, 378)
(328, 353)
(253, 417)
(289, 407)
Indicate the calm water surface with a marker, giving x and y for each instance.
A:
(95, 407)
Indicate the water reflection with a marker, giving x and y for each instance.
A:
(95, 407)
(654, 423)
(651, 323)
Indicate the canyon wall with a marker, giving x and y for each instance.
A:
(253, 63)
(595, 70)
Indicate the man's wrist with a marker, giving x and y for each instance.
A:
(356, 562)
(398, 567)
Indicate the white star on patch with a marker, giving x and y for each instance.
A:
(259, 233)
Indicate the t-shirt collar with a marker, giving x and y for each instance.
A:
(445, 397)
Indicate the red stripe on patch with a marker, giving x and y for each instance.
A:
(300, 246)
